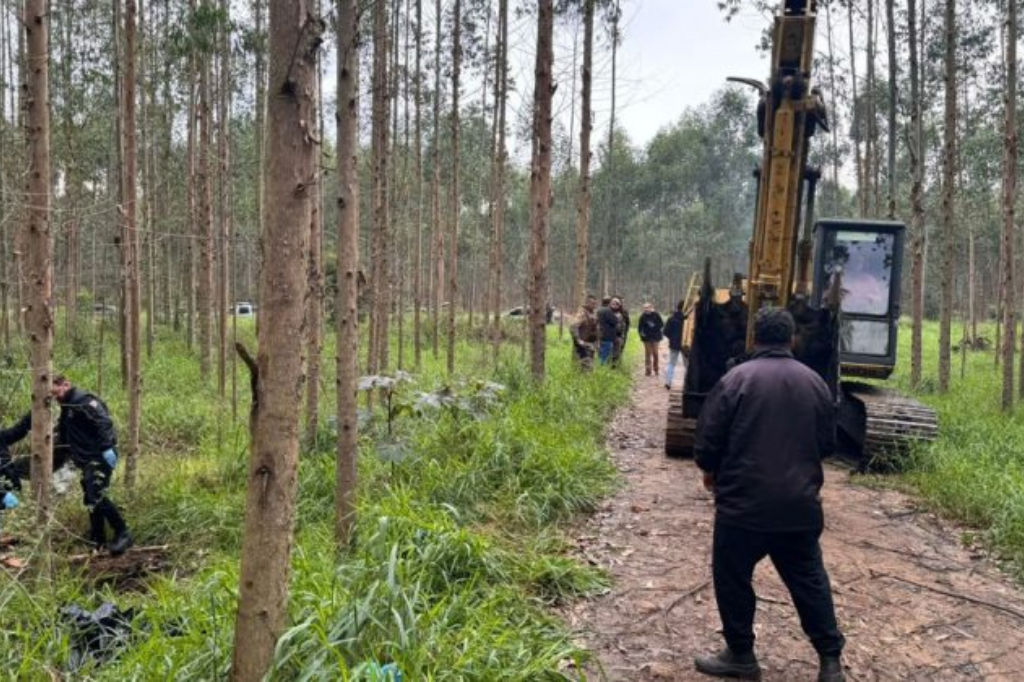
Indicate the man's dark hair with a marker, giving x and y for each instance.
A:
(773, 327)
(681, 304)
(606, 300)
(61, 379)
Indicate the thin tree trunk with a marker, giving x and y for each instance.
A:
(857, 160)
(500, 161)
(417, 322)
(277, 373)
(193, 213)
(1009, 194)
(579, 288)
(540, 186)
(916, 199)
(204, 297)
(224, 195)
(437, 228)
(39, 253)
(132, 290)
(315, 294)
(379, 154)
(948, 214)
(613, 237)
(890, 173)
(455, 198)
(348, 266)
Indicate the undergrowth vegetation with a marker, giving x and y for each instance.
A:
(458, 549)
(974, 472)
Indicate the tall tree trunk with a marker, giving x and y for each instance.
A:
(916, 198)
(857, 159)
(455, 201)
(1009, 195)
(890, 172)
(278, 369)
(501, 160)
(315, 295)
(417, 322)
(204, 297)
(348, 266)
(261, 106)
(225, 213)
(949, 215)
(192, 201)
(435, 189)
(579, 288)
(540, 186)
(379, 154)
(39, 253)
(131, 247)
(612, 239)
(4, 207)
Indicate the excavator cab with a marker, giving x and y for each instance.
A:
(867, 257)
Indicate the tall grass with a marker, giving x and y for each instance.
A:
(457, 549)
(974, 472)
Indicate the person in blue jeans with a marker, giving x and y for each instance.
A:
(608, 320)
(674, 333)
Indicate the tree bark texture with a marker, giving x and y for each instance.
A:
(348, 266)
(1009, 200)
(455, 200)
(294, 37)
(949, 210)
(540, 186)
(38, 244)
(131, 246)
(916, 198)
(579, 288)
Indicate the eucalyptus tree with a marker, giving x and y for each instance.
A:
(1009, 204)
(278, 373)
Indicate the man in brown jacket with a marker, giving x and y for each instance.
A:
(762, 433)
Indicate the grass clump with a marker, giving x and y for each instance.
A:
(457, 551)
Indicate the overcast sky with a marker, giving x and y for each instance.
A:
(675, 54)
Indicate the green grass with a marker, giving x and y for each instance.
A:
(974, 472)
(458, 548)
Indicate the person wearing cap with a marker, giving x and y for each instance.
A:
(649, 326)
(761, 435)
(85, 433)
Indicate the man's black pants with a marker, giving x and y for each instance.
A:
(95, 481)
(797, 558)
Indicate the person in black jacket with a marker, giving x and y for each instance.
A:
(649, 327)
(762, 433)
(11, 472)
(86, 435)
(674, 333)
(608, 321)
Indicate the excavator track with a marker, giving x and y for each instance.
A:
(889, 423)
(679, 430)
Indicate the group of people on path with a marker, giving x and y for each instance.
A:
(85, 436)
(601, 332)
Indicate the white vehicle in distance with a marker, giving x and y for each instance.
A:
(243, 309)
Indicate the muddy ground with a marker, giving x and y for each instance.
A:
(914, 602)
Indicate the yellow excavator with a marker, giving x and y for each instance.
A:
(840, 278)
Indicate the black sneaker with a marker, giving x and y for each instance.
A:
(121, 543)
(728, 664)
(831, 669)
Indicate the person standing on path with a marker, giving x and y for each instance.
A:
(608, 321)
(762, 433)
(583, 331)
(649, 327)
(85, 433)
(674, 333)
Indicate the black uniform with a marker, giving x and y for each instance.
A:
(85, 432)
(12, 471)
(762, 432)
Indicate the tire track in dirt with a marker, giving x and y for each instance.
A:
(903, 582)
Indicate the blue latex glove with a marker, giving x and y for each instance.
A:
(110, 457)
(9, 500)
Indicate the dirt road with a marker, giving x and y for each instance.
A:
(913, 601)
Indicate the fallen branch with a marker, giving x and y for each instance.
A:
(152, 549)
(689, 593)
(949, 593)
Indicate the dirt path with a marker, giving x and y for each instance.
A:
(890, 564)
